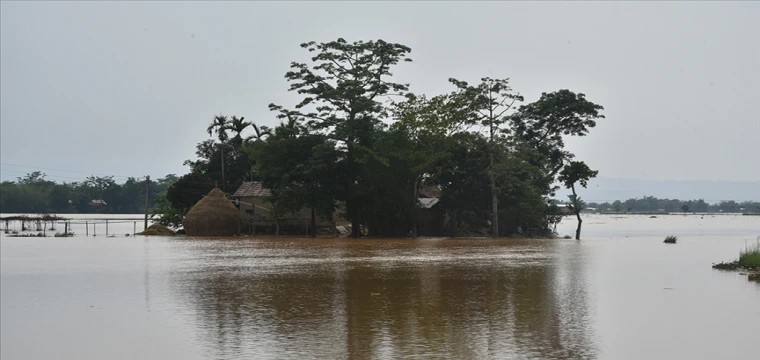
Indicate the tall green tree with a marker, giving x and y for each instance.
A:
(465, 184)
(543, 123)
(237, 125)
(259, 133)
(424, 125)
(576, 172)
(210, 153)
(219, 126)
(343, 88)
(491, 100)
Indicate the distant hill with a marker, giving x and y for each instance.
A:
(610, 189)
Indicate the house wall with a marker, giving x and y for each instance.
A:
(302, 218)
(432, 223)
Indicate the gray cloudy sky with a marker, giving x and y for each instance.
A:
(128, 88)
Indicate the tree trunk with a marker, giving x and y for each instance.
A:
(351, 201)
(415, 194)
(453, 223)
(313, 224)
(277, 228)
(221, 150)
(354, 223)
(494, 203)
(577, 211)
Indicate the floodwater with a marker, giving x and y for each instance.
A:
(618, 294)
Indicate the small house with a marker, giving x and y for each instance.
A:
(253, 200)
(99, 206)
(250, 193)
(434, 219)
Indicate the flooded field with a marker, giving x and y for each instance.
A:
(620, 293)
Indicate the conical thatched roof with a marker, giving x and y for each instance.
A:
(214, 215)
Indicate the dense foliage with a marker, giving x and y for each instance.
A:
(34, 194)
(653, 204)
(362, 146)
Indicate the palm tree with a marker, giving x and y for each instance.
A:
(260, 132)
(219, 126)
(293, 128)
(237, 125)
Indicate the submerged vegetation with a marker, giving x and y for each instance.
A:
(749, 259)
(670, 239)
(750, 256)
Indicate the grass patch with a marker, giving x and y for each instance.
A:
(670, 239)
(750, 256)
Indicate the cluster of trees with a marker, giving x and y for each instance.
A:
(653, 204)
(35, 194)
(359, 143)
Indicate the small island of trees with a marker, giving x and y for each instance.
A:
(365, 146)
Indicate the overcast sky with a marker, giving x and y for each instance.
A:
(128, 88)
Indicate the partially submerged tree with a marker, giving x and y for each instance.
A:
(342, 90)
(425, 125)
(489, 103)
(576, 172)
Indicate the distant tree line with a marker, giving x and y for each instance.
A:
(362, 144)
(35, 194)
(653, 204)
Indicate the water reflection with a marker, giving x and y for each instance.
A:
(460, 299)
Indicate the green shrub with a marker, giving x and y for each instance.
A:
(750, 256)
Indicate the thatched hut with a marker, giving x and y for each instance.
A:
(214, 215)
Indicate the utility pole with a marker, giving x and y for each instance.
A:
(221, 147)
(147, 191)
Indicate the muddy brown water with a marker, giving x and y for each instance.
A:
(618, 294)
